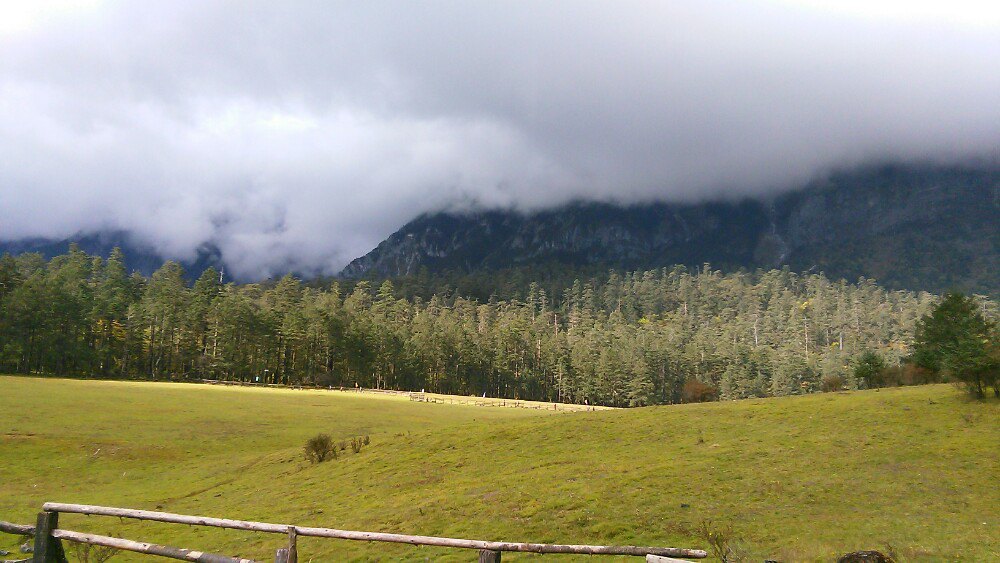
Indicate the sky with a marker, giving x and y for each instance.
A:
(297, 135)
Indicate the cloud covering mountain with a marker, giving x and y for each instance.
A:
(296, 135)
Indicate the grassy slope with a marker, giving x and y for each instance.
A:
(797, 478)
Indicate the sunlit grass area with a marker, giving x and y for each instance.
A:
(798, 478)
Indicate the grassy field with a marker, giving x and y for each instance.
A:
(803, 478)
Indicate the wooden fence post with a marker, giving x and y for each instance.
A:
(293, 549)
(281, 556)
(47, 548)
(487, 556)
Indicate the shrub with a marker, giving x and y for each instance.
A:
(326, 379)
(907, 374)
(319, 448)
(912, 374)
(88, 553)
(343, 445)
(356, 445)
(833, 383)
(695, 391)
(723, 543)
(367, 439)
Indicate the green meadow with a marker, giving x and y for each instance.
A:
(910, 470)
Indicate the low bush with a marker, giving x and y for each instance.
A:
(695, 391)
(833, 383)
(723, 542)
(320, 448)
(88, 553)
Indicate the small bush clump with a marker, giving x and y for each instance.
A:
(87, 553)
(833, 383)
(695, 391)
(320, 448)
(723, 542)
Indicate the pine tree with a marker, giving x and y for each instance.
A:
(958, 340)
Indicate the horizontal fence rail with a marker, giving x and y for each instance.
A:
(123, 544)
(489, 550)
(148, 548)
(370, 536)
(16, 529)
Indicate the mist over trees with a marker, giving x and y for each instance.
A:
(624, 339)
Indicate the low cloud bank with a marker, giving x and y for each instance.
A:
(298, 136)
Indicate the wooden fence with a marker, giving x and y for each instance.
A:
(49, 536)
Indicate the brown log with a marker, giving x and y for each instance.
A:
(374, 536)
(149, 548)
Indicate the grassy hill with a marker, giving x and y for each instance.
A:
(799, 478)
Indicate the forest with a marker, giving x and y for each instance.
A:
(622, 339)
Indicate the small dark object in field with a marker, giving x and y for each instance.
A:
(343, 445)
(367, 440)
(685, 505)
(866, 557)
(27, 547)
(319, 448)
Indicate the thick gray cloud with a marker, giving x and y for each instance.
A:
(298, 134)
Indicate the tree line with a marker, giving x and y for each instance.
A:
(624, 339)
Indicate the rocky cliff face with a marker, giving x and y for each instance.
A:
(929, 228)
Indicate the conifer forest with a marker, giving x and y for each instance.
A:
(622, 339)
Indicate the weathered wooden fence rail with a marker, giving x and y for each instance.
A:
(48, 548)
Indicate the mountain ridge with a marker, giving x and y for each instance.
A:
(926, 227)
(911, 227)
(138, 257)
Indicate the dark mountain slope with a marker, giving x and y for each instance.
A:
(925, 228)
(138, 258)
